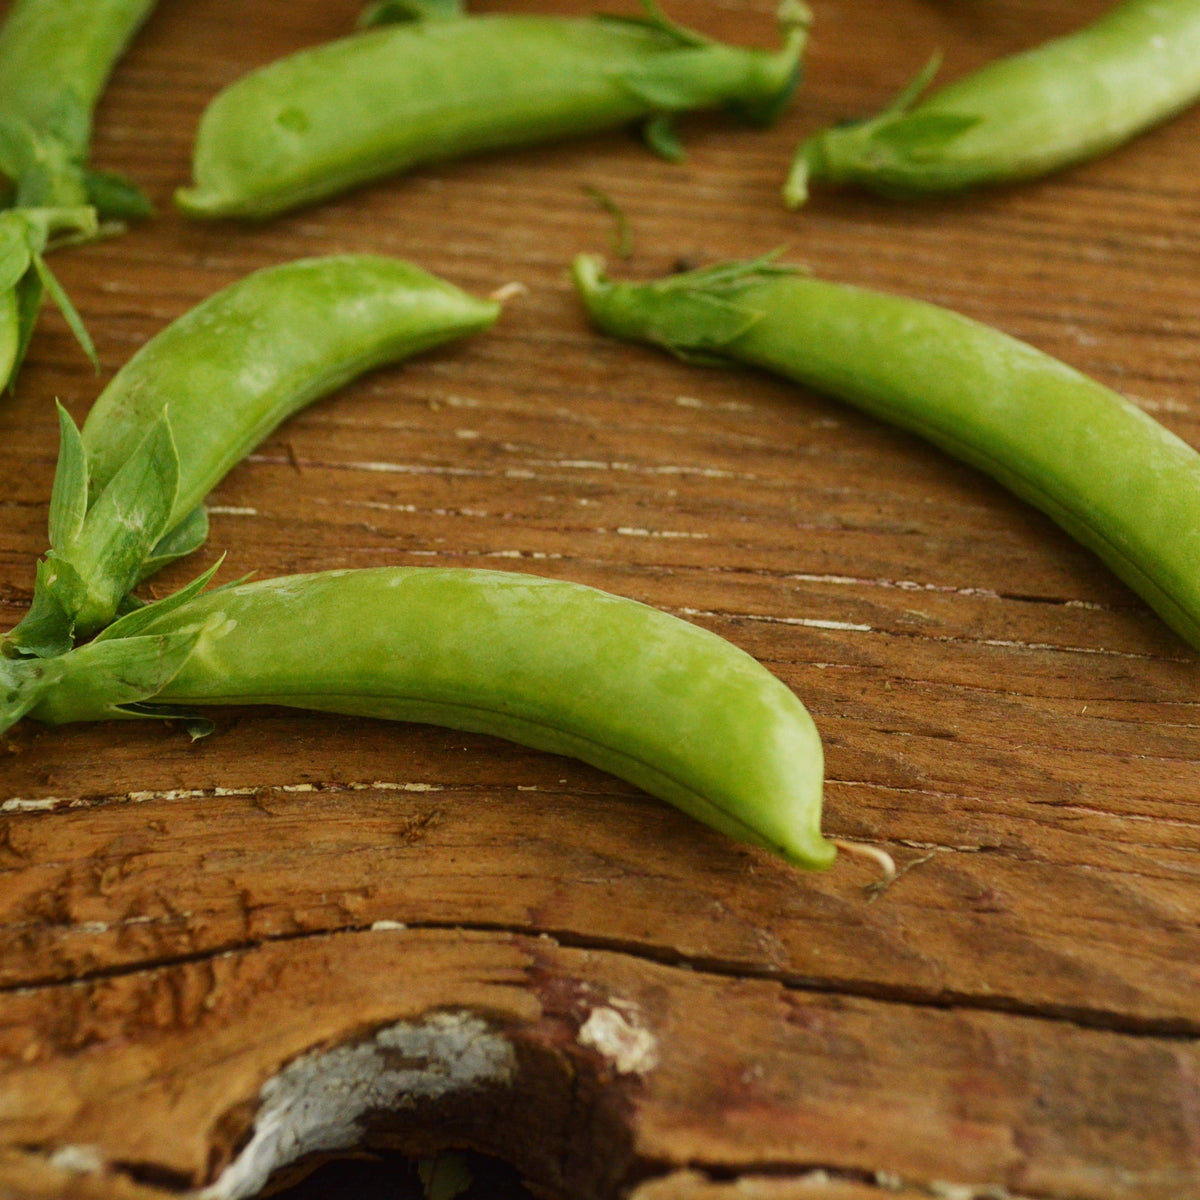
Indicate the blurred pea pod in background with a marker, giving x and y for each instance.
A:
(55, 59)
(1020, 117)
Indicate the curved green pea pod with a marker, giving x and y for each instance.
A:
(24, 277)
(1110, 475)
(554, 665)
(196, 399)
(55, 59)
(1059, 103)
(336, 115)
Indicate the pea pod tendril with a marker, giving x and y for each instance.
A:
(1059, 103)
(1108, 473)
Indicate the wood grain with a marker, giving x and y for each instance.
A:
(1016, 1015)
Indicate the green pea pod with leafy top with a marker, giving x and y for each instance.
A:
(379, 101)
(657, 701)
(1059, 103)
(1110, 475)
(196, 399)
(24, 276)
(55, 59)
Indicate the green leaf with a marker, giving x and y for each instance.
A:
(911, 92)
(106, 678)
(658, 21)
(659, 134)
(115, 197)
(922, 136)
(189, 535)
(47, 629)
(69, 496)
(698, 321)
(671, 82)
(197, 726)
(15, 255)
(73, 319)
(23, 682)
(125, 523)
(132, 624)
(10, 335)
(29, 302)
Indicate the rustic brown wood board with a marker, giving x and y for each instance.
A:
(185, 927)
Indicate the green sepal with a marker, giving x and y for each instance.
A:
(69, 495)
(921, 136)
(671, 82)
(23, 682)
(47, 629)
(658, 21)
(185, 538)
(694, 314)
(106, 678)
(698, 325)
(115, 197)
(125, 522)
(133, 623)
(914, 89)
(29, 303)
(659, 134)
(391, 12)
(16, 255)
(70, 315)
(197, 726)
(43, 167)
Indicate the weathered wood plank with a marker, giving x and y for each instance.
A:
(1018, 1010)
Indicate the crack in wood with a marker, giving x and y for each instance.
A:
(1175, 1029)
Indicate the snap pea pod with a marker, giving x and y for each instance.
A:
(388, 98)
(1110, 475)
(196, 399)
(24, 277)
(558, 666)
(1062, 102)
(55, 59)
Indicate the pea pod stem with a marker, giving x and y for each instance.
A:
(1110, 475)
(195, 399)
(553, 665)
(386, 99)
(1059, 103)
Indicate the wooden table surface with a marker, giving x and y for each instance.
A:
(186, 930)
